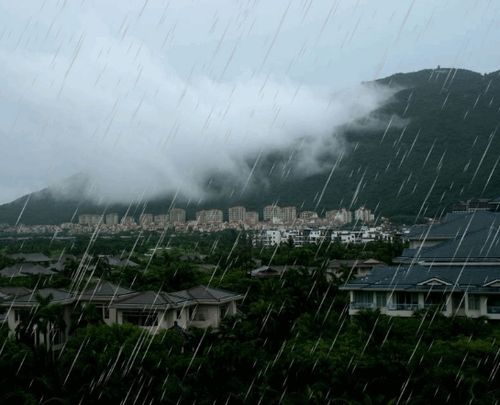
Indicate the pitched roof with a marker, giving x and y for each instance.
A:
(10, 292)
(116, 261)
(455, 224)
(30, 257)
(148, 300)
(203, 294)
(15, 290)
(459, 278)
(59, 296)
(104, 290)
(25, 269)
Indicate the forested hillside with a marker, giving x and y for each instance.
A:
(435, 143)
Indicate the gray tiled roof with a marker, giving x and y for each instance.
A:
(116, 261)
(470, 236)
(25, 269)
(147, 299)
(105, 290)
(207, 294)
(59, 296)
(455, 224)
(461, 278)
(484, 243)
(10, 292)
(30, 257)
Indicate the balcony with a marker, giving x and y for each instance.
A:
(403, 307)
(361, 305)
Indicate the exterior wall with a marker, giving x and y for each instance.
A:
(451, 308)
(210, 315)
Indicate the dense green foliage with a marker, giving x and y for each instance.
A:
(440, 147)
(292, 341)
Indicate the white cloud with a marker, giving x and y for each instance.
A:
(148, 98)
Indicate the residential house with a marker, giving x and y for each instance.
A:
(200, 307)
(452, 265)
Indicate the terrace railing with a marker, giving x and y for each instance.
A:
(403, 307)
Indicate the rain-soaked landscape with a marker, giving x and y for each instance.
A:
(249, 202)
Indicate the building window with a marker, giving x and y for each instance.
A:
(362, 300)
(474, 302)
(178, 313)
(404, 301)
(140, 318)
(105, 312)
(493, 305)
(198, 314)
(435, 300)
(381, 298)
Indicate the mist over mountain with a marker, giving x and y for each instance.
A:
(433, 143)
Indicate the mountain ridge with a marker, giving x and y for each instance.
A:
(444, 149)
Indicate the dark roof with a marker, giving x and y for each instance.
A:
(267, 271)
(455, 224)
(458, 278)
(104, 290)
(15, 290)
(30, 257)
(115, 261)
(148, 300)
(25, 269)
(59, 296)
(480, 244)
(473, 237)
(10, 292)
(336, 263)
(203, 294)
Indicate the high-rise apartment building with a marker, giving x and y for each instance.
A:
(237, 214)
(90, 219)
(272, 213)
(177, 216)
(213, 216)
(161, 220)
(289, 214)
(252, 217)
(339, 217)
(112, 219)
(128, 220)
(146, 219)
(364, 215)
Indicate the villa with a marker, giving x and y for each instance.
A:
(200, 307)
(452, 266)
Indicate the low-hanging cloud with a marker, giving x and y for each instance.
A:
(117, 111)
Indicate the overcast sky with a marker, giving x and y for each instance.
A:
(151, 95)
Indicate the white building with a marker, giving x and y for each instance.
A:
(154, 311)
(272, 213)
(213, 216)
(177, 216)
(112, 219)
(364, 215)
(289, 214)
(252, 218)
(237, 214)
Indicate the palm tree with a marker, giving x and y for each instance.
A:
(45, 319)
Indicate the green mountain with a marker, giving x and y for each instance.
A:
(436, 144)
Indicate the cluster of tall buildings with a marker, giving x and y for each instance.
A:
(174, 216)
(289, 215)
(272, 214)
